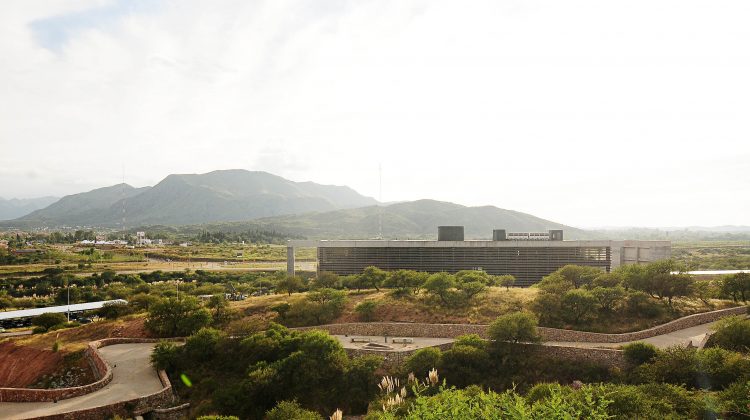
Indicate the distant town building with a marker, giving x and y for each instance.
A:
(3, 244)
(527, 256)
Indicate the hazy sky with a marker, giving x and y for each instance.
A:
(588, 113)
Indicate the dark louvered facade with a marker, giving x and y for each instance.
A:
(527, 264)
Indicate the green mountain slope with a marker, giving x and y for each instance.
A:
(409, 220)
(228, 195)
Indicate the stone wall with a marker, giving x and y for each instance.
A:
(405, 329)
(126, 409)
(391, 359)
(99, 366)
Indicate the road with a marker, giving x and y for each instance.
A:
(15, 333)
(679, 337)
(133, 376)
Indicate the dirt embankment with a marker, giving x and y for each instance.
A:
(21, 366)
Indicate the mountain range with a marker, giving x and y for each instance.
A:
(219, 196)
(240, 199)
(15, 207)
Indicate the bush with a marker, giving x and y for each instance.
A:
(286, 410)
(164, 355)
(172, 317)
(735, 400)
(422, 361)
(732, 333)
(48, 320)
(465, 365)
(38, 330)
(114, 310)
(516, 327)
(639, 352)
(366, 309)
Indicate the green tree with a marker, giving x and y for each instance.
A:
(290, 284)
(608, 297)
(507, 281)
(172, 317)
(577, 305)
(515, 327)
(372, 277)
(732, 333)
(327, 280)
(405, 282)
(48, 320)
(440, 285)
(464, 365)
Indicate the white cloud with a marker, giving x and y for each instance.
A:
(585, 112)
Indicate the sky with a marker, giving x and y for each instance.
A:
(588, 113)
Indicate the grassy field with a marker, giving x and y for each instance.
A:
(713, 255)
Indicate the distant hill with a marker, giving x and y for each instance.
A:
(219, 196)
(81, 209)
(15, 207)
(407, 220)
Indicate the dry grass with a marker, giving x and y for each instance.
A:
(73, 339)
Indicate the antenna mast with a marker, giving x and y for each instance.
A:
(380, 198)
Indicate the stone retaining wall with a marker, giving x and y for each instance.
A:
(101, 369)
(126, 409)
(391, 359)
(404, 329)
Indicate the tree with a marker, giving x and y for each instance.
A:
(114, 310)
(328, 280)
(440, 284)
(608, 297)
(737, 286)
(290, 284)
(48, 320)
(579, 275)
(172, 317)
(464, 365)
(732, 333)
(470, 289)
(515, 328)
(405, 282)
(372, 277)
(5, 303)
(577, 305)
(506, 281)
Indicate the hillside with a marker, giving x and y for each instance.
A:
(229, 195)
(82, 209)
(409, 220)
(13, 208)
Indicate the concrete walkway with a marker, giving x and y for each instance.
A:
(133, 377)
(675, 338)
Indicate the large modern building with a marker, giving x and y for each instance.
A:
(528, 256)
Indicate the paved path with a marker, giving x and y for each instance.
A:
(679, 337)
(418, 342)
(133, 377)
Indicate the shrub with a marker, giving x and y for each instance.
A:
(735, 400)
(286, 410)
(48, 320)
(515, 327)
(465, 365)
(366, 309)
(164, 355)
(732, 333)
(38, 330)
(639, 352)
(114, 310)
(422, 361)
(172, 317)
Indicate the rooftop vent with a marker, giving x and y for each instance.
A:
(450, 233)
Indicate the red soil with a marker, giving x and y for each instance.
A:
(21, 366)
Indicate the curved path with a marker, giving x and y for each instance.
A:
(692, 335)
(133, 377)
